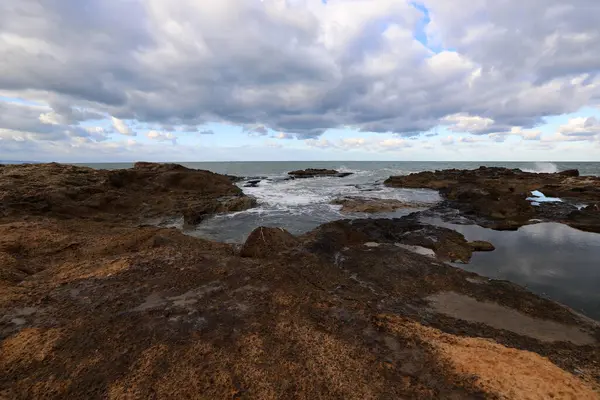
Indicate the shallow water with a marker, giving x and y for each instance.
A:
(550, 259)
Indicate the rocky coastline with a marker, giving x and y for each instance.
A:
(98, 301)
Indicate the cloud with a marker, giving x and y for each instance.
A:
(580, 127)
(258, 130)
(468, 124)
(319, 143)
(516, 132)
(301, 67)
(121, 127)
(206, 132)
(161, 136)
(448, 141)
(282, 135)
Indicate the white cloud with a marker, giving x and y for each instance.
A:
(162, 137)
(581, 127)
(121, 127)
(468, 124)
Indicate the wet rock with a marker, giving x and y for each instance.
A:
(199, 212)
(253, 183)
(587, 218)
(371, 205)
(496, 197)
(315, 172)
(234, 178)
(447, 244)
(480, 245)
(266, 242)
(570, 172)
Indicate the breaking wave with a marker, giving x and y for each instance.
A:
(543, 168)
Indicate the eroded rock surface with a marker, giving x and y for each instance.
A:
(373, 205)
(104, 308)
(145, 191)
(497, 197)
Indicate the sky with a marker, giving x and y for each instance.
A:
(276, 80)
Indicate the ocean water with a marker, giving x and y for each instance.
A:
(552, 260)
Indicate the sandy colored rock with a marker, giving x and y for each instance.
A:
(371, 205)
(508, 373)
(266, 242)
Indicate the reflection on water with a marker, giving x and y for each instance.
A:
(550, 259)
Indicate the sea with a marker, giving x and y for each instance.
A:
(550, 259)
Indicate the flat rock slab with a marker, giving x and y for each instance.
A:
(468, 309)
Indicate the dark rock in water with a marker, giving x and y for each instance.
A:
(480, 245)
(234, 178)
(587, 219)
(313, 172)
(447, 244)
(496, 197)
(570, 172)
(266, 242)
(253, 183)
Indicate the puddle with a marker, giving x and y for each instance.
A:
(466, 308)
(550, 259)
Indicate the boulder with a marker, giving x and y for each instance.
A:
(570, 172)
(266, 242)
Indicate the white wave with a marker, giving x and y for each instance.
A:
(539, 197)
(543, 168)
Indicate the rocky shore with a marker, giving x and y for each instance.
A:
(498, 197)
(96, 301)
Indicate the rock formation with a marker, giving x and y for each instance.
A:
(497, 197)
(316, 172)
(93, 305)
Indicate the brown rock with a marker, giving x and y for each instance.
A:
(570, 172)
(370, 205)
(480, 245)
(146, 191)
(498, 195)
(266, 242)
